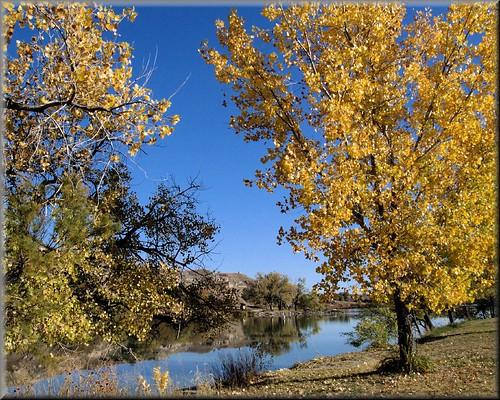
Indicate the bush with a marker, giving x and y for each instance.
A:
(238, 370)
(392, 365)
(377, 328)
(422, 364)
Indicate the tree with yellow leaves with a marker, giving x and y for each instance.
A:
(383, 134)
(70, 98)
(84, 259)
(71, 107)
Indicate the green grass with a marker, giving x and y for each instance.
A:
(444, 330)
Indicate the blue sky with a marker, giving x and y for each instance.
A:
(203, 145)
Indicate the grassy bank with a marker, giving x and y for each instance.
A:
(463, 358)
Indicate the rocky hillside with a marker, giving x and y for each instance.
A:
(235, 279)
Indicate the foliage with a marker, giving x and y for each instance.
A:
(311, 301)
(383, 135)
(70, 96)
(238, 371)
(112, 282)
(271, 289)
(83, 257)
(422, 364)
(209, 301)
(276, 289)
(377, 329)
(300, 291)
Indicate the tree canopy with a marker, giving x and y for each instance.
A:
(84, 258)
(383, 134)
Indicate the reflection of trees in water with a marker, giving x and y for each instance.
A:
(274, 335)
(270, 335)
(342, 316)
(164, 336)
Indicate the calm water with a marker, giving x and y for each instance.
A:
(284, 340)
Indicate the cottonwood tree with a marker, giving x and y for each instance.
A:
(299, 293)
(71, 100)
(383, 134)
(84, 258)
(271, 289)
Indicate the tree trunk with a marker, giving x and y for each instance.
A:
(450, 316)
(405, 334)
(492, 306)
(466, 311)
(415, 322)
(428, 323)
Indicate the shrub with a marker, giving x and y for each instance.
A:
(237, 370)
(419, 364)
(377, 328)
(422, 364)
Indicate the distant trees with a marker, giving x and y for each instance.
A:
(275, 289)
(310, 301)
(300, 292)
(272, 289)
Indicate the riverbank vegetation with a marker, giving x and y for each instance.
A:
(275, 290)
(463, 359)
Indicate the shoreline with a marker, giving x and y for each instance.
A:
(462, 363)
(332, 308)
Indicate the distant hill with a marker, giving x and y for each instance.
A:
(235, 280)
(240, 281)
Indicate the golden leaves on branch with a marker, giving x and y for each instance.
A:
(381, 133)
(73, 81)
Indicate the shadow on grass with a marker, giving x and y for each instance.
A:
(323, 378)
(430, 338)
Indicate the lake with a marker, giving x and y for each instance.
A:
(283, 340)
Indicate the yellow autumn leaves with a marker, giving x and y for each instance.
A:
(69, 63)
(382, 133)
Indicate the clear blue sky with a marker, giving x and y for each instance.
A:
(203, 145)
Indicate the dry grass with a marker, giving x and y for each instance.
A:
(100, 384)
(464, 360)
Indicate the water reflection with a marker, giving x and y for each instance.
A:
(274, 335)
(286, 339)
